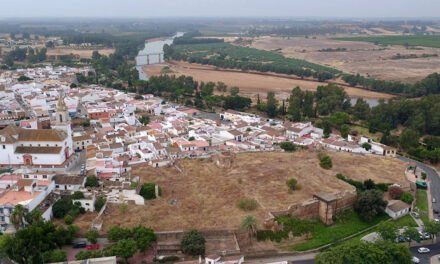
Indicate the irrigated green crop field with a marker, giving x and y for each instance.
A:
(413, 40)
(226, 55)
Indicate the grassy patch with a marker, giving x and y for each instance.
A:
(365, 132)
(415, 40)
(422, 205)
(406, 220)
(347, 224)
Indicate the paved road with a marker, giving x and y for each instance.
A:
(426, 258)
(433, 177)
(297, 259)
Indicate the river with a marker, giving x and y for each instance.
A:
(152, 48)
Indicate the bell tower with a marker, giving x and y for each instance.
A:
(63, 123)
(62, 113)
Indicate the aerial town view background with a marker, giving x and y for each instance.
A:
(253, 135)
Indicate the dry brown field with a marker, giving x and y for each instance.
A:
(251, 84)
(83, 53)
(206, 195)
(360, 57)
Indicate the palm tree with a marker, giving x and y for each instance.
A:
(17, 216)
(249, 224)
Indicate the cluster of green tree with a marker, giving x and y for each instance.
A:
(429, 85)
(126, 242)
(365, 185)
(325, 161)
(65, 208)
(35, 241)
(114, 70)
(419, 117)
(397, 193)
(191, 38)
(332, 106)
(370, 204)
(185, 90)
(193, 243)
(383, 252)
(29, 55)
(92, 181)
(304, 105)
(225, 55)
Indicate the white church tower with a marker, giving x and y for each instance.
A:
(63, 123)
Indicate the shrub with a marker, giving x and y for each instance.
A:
(366, 146)
(116, 233)
(61, 207)
(395, 192)
(56, 255)
(370, 204)
(77, 195)
(148, 191)
(92, 236)
(407, 197)
(247, 204)
(288, 146)
(325, 161)
(68, 219)
(193, 243)
(292, 184)
(424, 175)
(92, 181)
(99, 203)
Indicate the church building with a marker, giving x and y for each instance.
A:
(38, 147)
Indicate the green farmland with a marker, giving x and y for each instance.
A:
(412, 40)
(225, 55)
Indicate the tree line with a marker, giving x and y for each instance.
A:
(225, 55)
(429, 85)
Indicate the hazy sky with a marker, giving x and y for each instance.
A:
(154, 8)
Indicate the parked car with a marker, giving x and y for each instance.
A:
(435, 211)
(423, 250)
(433, 200)
(80, 244)
(415, 259)
(401, 239)
(424, 235)
(415, 215)
(92, 247)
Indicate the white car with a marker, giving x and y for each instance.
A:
(415, 259)
(423, 250)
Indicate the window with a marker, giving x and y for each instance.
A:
(87, 204)
(57, 186)
(44, 176)
(26, 176)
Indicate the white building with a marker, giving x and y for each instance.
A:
(396, 209)
(37, 147)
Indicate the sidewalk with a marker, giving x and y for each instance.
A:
(435, 259)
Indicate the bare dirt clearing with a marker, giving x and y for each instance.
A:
(251, 84)
(360, 57)
(83, 53)
(205, 195)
